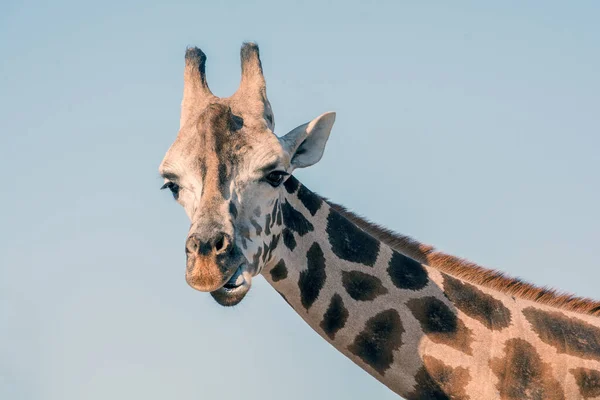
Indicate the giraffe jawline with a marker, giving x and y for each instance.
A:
(235, 289)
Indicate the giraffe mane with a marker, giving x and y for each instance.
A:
(469, 271)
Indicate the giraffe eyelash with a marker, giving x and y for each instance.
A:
(173, 187)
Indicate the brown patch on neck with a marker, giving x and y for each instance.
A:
(436, 380)
(478, 305)
(523, 375)
(567, 335)
(380, 337)
(440, 324)
(588, 381)
(469, 271)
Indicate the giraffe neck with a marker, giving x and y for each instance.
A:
(420, 331)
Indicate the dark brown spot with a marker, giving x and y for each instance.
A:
(268, 224)
(376, 343)
(349, 242)
(311, 201)
(440, 324)
(294, 220)
(523, 375)
(268, 250)
(256, 226)
(274, 243)
(477, 304)
(233, 210)
(274, 212)
(265, 252)
(361, 286)
(335, 317)
(279, 221)
(436, 380)
(567, 335)
(245, 231)
(312, 279)
(407, 273)
(288, 239)
(291, 184)
(224, 177)
(256, 259)
(245, 235)
(279, 271)
(203, 171)
(588, 381)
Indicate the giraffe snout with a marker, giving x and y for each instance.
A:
(211, 260)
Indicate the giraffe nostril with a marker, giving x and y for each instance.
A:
(222, 244)
(192, 244)
(219, 243)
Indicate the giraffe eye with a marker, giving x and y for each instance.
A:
(173, 187)
(275, 178)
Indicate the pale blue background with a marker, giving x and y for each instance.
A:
(472, 127)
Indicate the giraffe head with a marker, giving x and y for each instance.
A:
(226, 168)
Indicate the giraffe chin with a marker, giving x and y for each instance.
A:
(235, 289)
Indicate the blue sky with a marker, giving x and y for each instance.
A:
(473, 127)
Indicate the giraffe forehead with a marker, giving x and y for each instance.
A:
(223, 134)
(222, 152)
(198, 145)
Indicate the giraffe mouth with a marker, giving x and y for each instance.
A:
(236, 280)
(235, 288)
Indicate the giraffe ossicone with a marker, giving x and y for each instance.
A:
(426, 324)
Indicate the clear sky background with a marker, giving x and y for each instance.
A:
(472, 127)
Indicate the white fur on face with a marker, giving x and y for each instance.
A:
(256, 227)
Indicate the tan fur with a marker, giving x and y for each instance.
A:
(204, 274)
(470, 271)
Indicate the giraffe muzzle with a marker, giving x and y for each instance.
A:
(212, 263)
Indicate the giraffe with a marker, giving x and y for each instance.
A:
(425, 324)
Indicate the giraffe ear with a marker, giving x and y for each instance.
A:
(306, 143)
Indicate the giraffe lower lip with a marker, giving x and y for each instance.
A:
(236, 280)
(235, 289)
